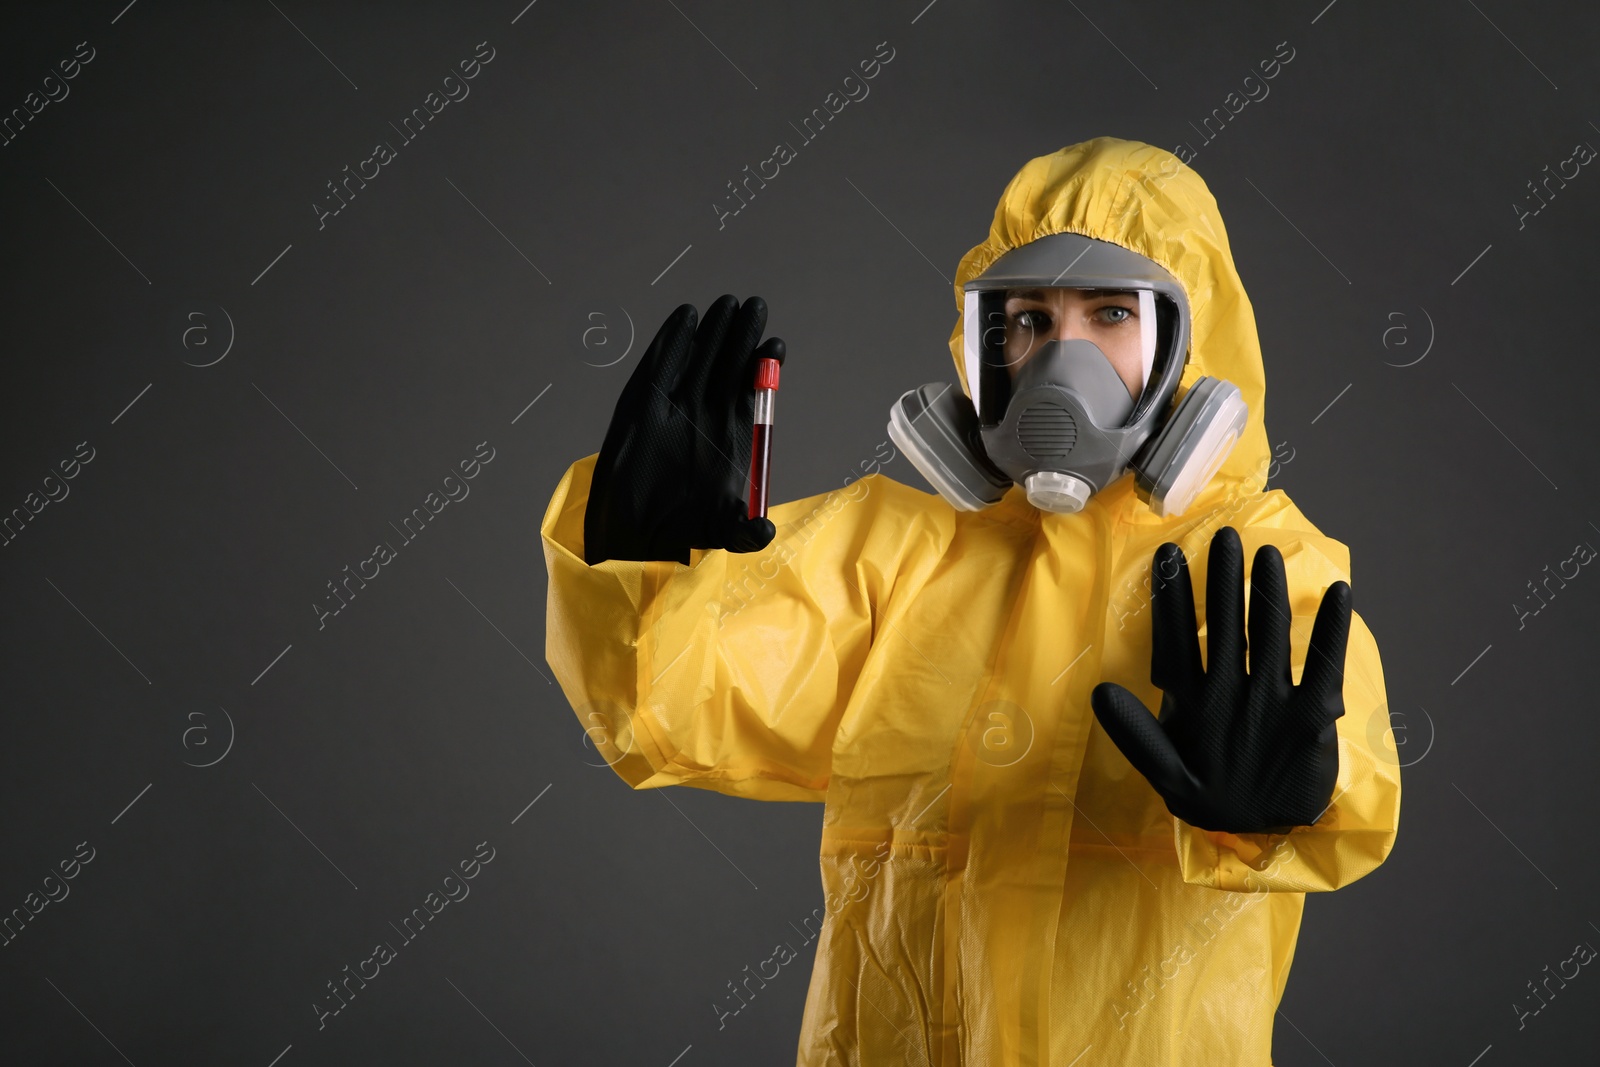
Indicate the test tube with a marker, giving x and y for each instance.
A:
(761, 441)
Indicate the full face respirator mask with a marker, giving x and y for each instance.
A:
(1073, 348)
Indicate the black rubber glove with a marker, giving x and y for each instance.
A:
(1231, 751)
(672, 472)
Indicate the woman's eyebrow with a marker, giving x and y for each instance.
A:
(1026, 294)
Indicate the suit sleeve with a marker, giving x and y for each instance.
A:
(730, 673)
(1357, 831)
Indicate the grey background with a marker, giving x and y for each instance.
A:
(164, 606)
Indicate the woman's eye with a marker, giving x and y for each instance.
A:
(1034, 321)
(1116, 314)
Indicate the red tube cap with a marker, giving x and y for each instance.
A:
(766, 373)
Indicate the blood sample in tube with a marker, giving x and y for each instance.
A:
(761, 440)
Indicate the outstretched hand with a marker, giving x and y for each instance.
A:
(1235, 751)
(671, 473)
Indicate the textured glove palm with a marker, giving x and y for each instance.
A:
(672, 470)
(1235, 751)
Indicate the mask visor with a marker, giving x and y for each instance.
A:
(1134, 329)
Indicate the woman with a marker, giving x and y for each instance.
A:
(1021, 864)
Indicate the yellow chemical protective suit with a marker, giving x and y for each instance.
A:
(1001, 886)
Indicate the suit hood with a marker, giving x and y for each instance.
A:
(1146, 200)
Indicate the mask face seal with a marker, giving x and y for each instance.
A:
(1073, 351)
